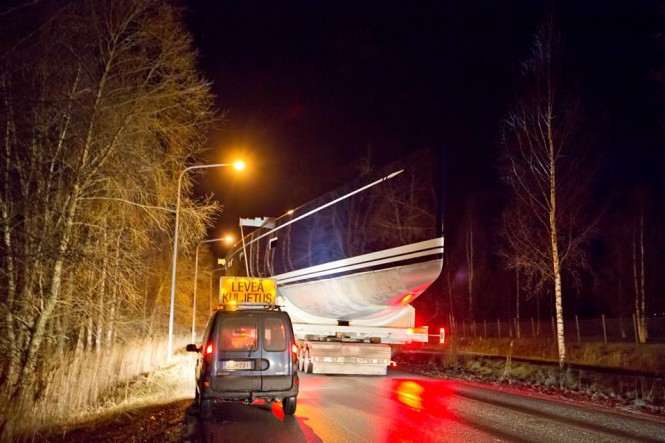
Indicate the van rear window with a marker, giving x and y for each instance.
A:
(275, 335)
(238, 334)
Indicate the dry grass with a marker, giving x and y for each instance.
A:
(649, 357)
(86, 385)
(465, 359)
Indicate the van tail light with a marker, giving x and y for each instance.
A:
(295, 348)
(207, 351)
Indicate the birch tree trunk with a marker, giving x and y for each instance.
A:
(548, 222)
(114, 301)
(517, 304)
(644, 334)
(7, 308)
(470, 263)
(554, 238)
(39, 327)
(639, 278)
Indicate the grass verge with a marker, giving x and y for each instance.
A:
(85, 385)
(469, 360)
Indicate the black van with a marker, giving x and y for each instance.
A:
(247, 353)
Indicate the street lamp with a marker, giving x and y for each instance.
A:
(227, 239)
(239, 165)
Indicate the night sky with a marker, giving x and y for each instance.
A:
(311, 87)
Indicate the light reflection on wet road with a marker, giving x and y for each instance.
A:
(402, 407)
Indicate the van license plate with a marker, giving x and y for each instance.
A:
(233, 365)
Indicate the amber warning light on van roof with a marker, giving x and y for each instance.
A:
(242, 290)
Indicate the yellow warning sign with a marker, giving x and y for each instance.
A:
(238, 290)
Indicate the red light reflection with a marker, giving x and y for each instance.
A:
(409, 393)
(422, 394)
(422, 411)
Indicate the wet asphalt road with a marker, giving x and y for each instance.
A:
(403, 407)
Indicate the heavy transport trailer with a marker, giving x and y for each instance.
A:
(375, 299)
(351, 350)
(349, 264)
(326, 348)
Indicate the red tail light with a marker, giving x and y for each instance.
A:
(207, 352)
(294, 348)
(442, 335)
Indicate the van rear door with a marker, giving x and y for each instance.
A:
(278, 375)
(239, 362)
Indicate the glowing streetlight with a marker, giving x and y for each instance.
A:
(228, 240)
(238, 165)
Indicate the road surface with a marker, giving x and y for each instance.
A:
(403, 407)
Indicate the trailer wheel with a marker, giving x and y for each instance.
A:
(304, 364)
(289, 405)
(309, 365)
(301, 361)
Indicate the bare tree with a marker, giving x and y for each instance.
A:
(643, 233)
(100, 109)
(469, 249)
(470, 240)
(638, 276)
(518, 332)
(545, 227)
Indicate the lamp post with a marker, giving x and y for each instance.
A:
(239, 166)
(227, 239)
